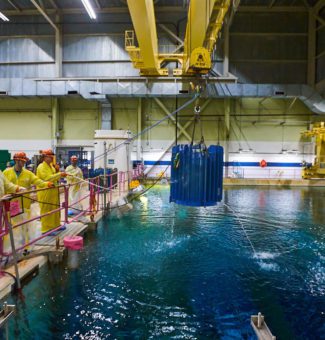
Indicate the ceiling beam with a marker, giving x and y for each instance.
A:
(14, 5)
(41, 4)
(171, 33)
(98, 4)
(54, 4)
(275, 9)
(306, 4)
(106, 10)
(44, 14)
(318, 6)
(314, 11)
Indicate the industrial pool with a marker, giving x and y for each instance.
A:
(173, 272)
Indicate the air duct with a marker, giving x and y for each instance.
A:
(106, 109)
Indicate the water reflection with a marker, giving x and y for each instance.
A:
(164, 271)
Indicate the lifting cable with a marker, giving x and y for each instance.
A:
(242, 226)
(195, 97)
(170, 115)
(197, 120)
(88, 211)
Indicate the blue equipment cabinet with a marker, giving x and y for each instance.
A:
(196, 175)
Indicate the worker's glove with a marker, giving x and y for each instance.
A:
(6, 197)
(64, 174)
(50, 185)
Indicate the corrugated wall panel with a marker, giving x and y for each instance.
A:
(270, 22)
(290, 73)
(99, 70)
(27, 71)
(320, 61)
(320, 64)
(110, 47)
(26, 25)
(27, 50)
(268, 47)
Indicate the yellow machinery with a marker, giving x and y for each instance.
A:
(205, 20)
(317, 169)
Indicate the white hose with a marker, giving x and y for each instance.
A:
(87, 181)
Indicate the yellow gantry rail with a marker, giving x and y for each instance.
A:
(144, 57)
(205, 20)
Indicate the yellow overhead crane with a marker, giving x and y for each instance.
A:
(204, 22)
(317, 169)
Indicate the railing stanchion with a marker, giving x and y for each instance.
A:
(66, 204)
(12, 241)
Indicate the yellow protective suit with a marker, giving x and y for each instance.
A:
(49, 199)
(25, 179)
(6, 187)
(75, 190)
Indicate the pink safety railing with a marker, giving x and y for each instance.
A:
(138, 171)
(117, 182)
(5, 214)
(107, 185)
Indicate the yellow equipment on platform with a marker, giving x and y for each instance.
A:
(205, 20)
(134, 184)
(317, 169)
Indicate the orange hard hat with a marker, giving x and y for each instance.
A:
(20, 156)
(47, 152)
(74, 158)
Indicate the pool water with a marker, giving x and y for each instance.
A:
(172, 272)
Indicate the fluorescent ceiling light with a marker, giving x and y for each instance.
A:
(89, 9)
(3, 17)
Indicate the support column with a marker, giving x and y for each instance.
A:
(226, 49)
(311, 69)
(106, 116)
(139, 126)
(227, 133)
(55, 122)
(58, 49)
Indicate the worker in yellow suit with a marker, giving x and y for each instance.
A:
(49, 199)
(24, 178)
(74, 178)
(6, 187)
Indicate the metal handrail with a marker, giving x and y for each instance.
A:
(93, 195)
